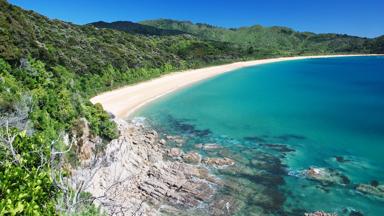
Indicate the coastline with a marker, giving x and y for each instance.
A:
(124, 101)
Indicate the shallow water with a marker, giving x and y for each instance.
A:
(316, 108)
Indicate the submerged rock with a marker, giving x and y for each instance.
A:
(177, 139)
(326, 176)
(355, 213)
(341, 159)
(288, 137)
(211, 146)
(377, 191)
(256, 139)
(219, 162)
(225, 205)
(199, 146)
(320, 213)
(278, 147)
(192, 157)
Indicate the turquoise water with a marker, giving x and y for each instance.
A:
(318, 108)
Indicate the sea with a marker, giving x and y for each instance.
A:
(279, 120)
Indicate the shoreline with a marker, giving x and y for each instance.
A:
(124, 101)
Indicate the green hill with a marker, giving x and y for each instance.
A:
(276, 39)
(135, 28)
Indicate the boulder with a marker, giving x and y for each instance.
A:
(162, 142)
(192, 157)
(174, 152)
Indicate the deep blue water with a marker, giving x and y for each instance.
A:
(320, 108)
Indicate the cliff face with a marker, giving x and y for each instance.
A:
(133, 178)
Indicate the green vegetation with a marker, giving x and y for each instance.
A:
(37, 107)
(49, 69)
(281, 40)
(136, 28)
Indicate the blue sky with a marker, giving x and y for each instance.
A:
(355, 17)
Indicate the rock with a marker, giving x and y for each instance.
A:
(326, 176)
(342, 159)
(132, 178)
(177, 139)
(355, 213)
(162, 142)
(211, 146)
(150, 136)
(377, 191)
(278, 147)
(199, 146)
(192, 157)
(85, 144)
(111, 115)
(374, 183)
(226, 205)
(177, 183)
(320, 213)
(174, 152)
(218, 162)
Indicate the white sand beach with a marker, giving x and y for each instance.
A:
(124, 101)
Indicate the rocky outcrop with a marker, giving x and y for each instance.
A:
(85, 145)
(132, 178)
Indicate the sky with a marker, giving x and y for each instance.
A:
(355, 17)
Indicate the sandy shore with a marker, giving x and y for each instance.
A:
(124, 101)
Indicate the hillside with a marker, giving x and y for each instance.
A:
(275, 38)
(89, 50)
(135, 28)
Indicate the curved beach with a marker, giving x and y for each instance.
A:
(124, 101)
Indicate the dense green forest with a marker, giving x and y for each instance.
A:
(279, 39)
(258, 39)
(49, 69)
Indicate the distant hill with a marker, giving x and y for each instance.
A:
(377, 45)
(268, 38)
(135, 28)
(256, 39)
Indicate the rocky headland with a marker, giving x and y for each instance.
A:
(137, 174)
